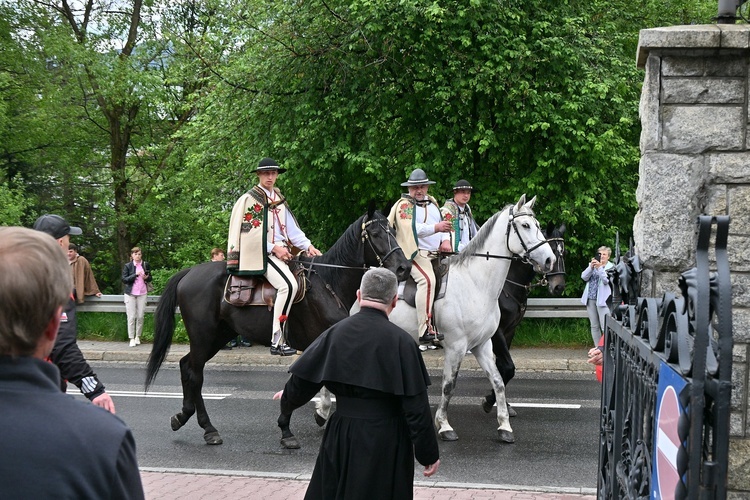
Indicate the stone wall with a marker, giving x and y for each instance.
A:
(695, 159)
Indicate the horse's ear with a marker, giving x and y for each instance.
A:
(550, 230)
(521, 202)
(561, 229)
(371, 209)
(530, 204)
(387, 208)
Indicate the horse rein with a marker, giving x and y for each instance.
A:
(365, 236)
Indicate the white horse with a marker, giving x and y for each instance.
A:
(468, 315)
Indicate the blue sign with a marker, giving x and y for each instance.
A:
(667, 444)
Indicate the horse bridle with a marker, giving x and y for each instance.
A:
(392, 244)
(365, 236)
(512, 223)
(559, 265)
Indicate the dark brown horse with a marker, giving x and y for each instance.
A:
(513, 301)
(210, 322)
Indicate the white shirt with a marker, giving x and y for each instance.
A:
(284, 230)
(425, 219)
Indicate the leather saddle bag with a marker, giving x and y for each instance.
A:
(243, 291)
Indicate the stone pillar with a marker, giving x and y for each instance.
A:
(695, 159)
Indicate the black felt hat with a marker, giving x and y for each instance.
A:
(417, 178)
(268, 164)
(463, 184)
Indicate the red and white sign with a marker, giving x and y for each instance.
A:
(667, 445)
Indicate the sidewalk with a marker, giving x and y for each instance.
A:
(166, 484)
(191, 485)
(526, 359)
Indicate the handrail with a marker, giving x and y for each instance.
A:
(535, 308)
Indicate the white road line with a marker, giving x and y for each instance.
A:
(561, 406)
(165, 395)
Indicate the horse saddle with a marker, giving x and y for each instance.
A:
(243, 291)
(407, 290)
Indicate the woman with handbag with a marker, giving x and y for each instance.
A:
(137, 278)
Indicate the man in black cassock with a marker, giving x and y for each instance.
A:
(382, 418)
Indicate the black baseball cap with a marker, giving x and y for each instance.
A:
(55, 226)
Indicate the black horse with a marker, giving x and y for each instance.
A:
(333, 280)
(513, 300)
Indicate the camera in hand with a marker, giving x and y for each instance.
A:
(598, 257)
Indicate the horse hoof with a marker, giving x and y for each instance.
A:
(213, 438)
(290, 443)
(487, 406)
(506, 436)
(175, 423)
(511, 411)
(319, 420)
(448, 435)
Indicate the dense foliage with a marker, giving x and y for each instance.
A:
(139, 121)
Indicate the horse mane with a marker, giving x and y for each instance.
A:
(482, 236)
(343, 251)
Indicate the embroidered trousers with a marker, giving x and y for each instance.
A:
(282, 279)
(424, 276)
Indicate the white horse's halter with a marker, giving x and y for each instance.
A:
(512, 223)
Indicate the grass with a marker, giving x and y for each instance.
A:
(532, 332)
(553, 332)
(114, 327)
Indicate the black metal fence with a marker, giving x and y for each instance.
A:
(666, 386)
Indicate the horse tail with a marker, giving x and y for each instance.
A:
(164, 326)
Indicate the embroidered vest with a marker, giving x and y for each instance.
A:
(251, 227)
(402, 220)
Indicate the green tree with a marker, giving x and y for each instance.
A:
(517, 96)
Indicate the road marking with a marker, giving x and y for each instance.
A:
(165, 395)
(559, 406)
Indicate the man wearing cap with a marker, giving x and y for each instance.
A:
(421, 232)
(66, 354)
(262, 234)
(458, 212)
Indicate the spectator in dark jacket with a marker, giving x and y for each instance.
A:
(136, 275)
(54, 446)
(66, 354)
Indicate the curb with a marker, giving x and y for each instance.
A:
(534, 360)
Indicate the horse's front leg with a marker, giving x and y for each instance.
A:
(453, 358)
(484, 357)
(288, 440)
(323, 407)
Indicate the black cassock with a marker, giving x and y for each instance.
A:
(382, 418)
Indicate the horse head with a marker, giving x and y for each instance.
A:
(556, 278)
(525, 237)
(381, 248)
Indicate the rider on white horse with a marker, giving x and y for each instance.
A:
(421, 231)
(457, 211)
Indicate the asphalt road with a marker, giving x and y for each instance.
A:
(556, 428)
